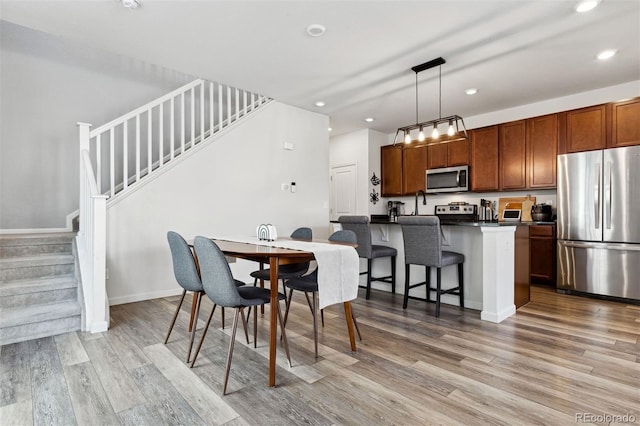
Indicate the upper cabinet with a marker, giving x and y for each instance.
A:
(391, 170)
(625, 123)
(542, 151)
(600, 126)
(414, 166)
(455, 153)
(513, 155)
(483, 169)
(583, 129)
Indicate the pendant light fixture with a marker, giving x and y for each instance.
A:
(455, 122)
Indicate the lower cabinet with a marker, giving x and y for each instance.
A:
(542, 250)
(521, 290)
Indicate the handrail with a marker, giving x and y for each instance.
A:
(145, 107)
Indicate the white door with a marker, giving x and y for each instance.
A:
(343, 191)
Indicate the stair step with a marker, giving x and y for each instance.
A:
(21, 268)
(38, 292)
(20, 324)
(15, 245)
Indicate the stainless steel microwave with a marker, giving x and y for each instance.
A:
(448, 179)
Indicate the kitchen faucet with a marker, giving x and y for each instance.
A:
(424, 200)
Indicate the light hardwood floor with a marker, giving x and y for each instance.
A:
(559, 357)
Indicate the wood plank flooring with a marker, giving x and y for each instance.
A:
(559, 360)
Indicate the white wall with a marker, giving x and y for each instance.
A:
(48, 85)
(227, 187)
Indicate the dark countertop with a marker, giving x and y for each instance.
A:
(385, 221)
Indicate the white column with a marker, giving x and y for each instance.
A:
(498, 261)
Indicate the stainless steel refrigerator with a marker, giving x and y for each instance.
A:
(599, 222)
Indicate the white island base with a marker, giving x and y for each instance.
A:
(489, 251)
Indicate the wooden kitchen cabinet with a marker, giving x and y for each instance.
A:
(625, 123)
(513, 155)
(414, 167)
(542, 250)
(484, 159)
(542, 151)
(391, 157)
(583, 129)
(521, 290)
(448, 154)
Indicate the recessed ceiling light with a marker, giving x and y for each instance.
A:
(130, 4)
(330, 129)
(586, 5)
(606, 54)
(315, 30)
(369, 119)
(320, 104)
(471, 91)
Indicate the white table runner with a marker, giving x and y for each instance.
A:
(338, 266)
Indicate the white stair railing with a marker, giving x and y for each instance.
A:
(91, 242)
(132, 148)
(143, 141)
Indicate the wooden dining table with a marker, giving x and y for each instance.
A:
(274, 257)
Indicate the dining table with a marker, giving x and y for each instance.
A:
(273, 254)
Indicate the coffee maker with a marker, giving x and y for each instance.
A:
(395, 209)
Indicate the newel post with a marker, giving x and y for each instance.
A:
(83, 134)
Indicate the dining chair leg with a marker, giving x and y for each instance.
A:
(204, 334)
(244, 321)
(222, 318)
(314, 312)
(255, 328)
(175, 316)
(287, 305)
(309, 301)
(284, 334)
(234, 327)
(322, 316)
(195, 325)
(355, 323)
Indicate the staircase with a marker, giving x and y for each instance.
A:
(38, 287)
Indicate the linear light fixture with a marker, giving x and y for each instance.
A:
(455, 122)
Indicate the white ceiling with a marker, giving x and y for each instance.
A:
(514, 51)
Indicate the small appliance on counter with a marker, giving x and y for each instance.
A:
(542, 213)
(395, 209)
(487, 211)
(457, 212)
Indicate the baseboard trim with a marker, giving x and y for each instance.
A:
(144, 296)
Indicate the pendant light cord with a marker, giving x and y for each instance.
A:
(416, 98)
(440, 92)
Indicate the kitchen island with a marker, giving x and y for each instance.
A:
(489, 250)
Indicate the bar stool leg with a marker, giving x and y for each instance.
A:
(461, 284)
(439, 289)
(393, 274)
(407, 267)
(428, 282)
(369, 262)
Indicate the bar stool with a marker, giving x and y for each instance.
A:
(369, 251)
(423, 246)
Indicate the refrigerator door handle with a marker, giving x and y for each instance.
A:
(605, 246)
(596, 196)
(607, 196)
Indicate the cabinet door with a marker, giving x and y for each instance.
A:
(437, 156)
(414, 165)
(391, 170)
(484, 159)
(625, 123)
(542, 249)
(542, 146)
(458, 153)
(585, 129)
(513, 155)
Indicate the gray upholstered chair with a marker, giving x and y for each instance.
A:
(293, 270)
(309, 284)
(186, 273)
(185, 269)
(219, 286)
(423, 246)
(369, 251)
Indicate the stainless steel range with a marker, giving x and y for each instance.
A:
(457, 212)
